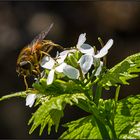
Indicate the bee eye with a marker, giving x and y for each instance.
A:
(25, 64)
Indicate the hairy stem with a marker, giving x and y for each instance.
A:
(17, 94)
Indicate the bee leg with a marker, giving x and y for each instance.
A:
(42, 52)
(25, 81)
(38, 71)
(45, 42)
(50, 48)
(60, 47)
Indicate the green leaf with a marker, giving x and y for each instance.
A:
(84, 128)
(90, 127)
(127, 119)
(122, 72)
(51, 111)
(134, 132)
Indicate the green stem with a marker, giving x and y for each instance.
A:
(102, 129)
(61, 81)
(116, 99)
(98, 94)
(17, 94)
(81, 73)
(117, 93)
(114, 136)
(102, 45)
(115, 104)
(91, 77)
(101, 42)
(91, 84)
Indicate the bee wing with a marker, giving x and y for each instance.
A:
(41, 36)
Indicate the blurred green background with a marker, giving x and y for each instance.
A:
(20, 22)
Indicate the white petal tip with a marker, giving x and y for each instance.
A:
(105, 49)
(81, 39)
(110, 42)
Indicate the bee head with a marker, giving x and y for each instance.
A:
(24, 68)
(25, 65)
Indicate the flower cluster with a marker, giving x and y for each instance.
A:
(74, 63)
(85, 61)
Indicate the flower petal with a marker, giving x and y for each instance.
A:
(47, 62)
(86, 49)
(105, 49)
(30, 99)
(86, 62)
(62, 56)
(99, 69)
(50, 77)
(60, 67)
(81, 40)
(71, 72)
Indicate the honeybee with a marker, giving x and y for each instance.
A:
(31, 55)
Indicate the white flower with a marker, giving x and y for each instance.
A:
(81, 40)
(30, 99)
(86, 60)
(48, 63)
(87, 49)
